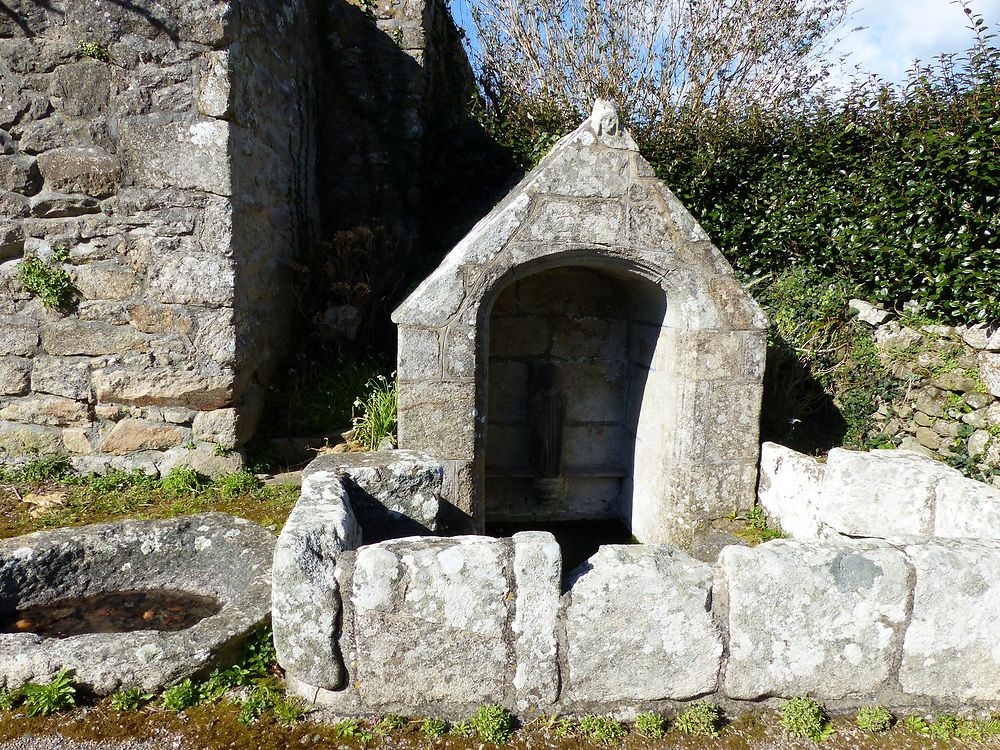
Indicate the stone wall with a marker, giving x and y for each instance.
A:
(160, 156)
(950, 405)
(437, 626)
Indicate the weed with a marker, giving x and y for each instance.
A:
(287, 711)
(259, 654)
(41, 469)
(219, 450)
(604, 729)
(181, 696)
(564, 727)
(978, 730)
(917, 725)
(260, 700)
(651, 725)
(181, 481)
(190, 445)
(803, 717)
(378, 413)
(129, 700)
(702, 719)
(347, 729)
(219, 682)
(493, 724)
(434, 727)
(943, 727)
(238, 483)
(757, 530)
(875, 719)
(369, 7)
(57, 695)
(463, 729)
(52, 285)
(95, 50)
(391, 723)
(9, 699)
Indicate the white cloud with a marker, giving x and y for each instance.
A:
(900, 31)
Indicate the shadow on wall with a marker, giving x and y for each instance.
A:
(403, 170)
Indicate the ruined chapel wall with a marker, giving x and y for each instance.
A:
(158, 154)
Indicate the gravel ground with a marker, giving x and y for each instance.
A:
(54, 742)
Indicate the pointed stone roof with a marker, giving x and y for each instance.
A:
(593, 200)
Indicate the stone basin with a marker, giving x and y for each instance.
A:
(211, 554)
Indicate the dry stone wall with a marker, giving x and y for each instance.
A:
(950, 408)
(158, 156)
(436, 626)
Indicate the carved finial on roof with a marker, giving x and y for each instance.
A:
(605, 119)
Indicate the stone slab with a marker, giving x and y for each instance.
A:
(393, 493)
(430, 622)
(537, 578)
(812, 617)
(305, 608)
(639, 627)
(790, 491)
(881, 493)
(967, 509)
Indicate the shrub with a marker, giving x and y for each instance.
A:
(434, 727)
(181, 696)
(603, 729)
(493, 724)
(651, 725)
(702, 719)
(874, 719)
(129, 700)
(57, 695)
(803, 717)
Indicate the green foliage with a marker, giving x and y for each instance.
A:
(875, 719)
(9, 699)
(391, 723)
(651, 725)
(182, 481)
(38, 470)
(262, 698)
(757, 530)
(95, 50)
(434, 727)
(181, 696)
(238, 483)
(259, 655)
(528, 129)
(943, 727)
(288, 711)
(462, 729)
(54, 696)
(804, 717)
(378, 412)
(916, 724)
(129, 700)
(702, 719)
(51, 284)
(604, 729)
(493, 724)
(221, 681)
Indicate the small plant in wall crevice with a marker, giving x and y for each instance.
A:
(804, 717)
(51, 284)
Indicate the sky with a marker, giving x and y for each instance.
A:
(895, 32)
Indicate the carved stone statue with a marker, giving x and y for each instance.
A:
(547, 418)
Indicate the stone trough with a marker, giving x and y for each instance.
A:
(212, 555)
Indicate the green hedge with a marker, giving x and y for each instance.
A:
(895, 190)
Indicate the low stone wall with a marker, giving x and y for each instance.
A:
(881, 493)
(430, 625)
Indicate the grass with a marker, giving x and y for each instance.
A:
(77, 500)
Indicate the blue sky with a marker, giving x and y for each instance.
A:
(896, 32)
